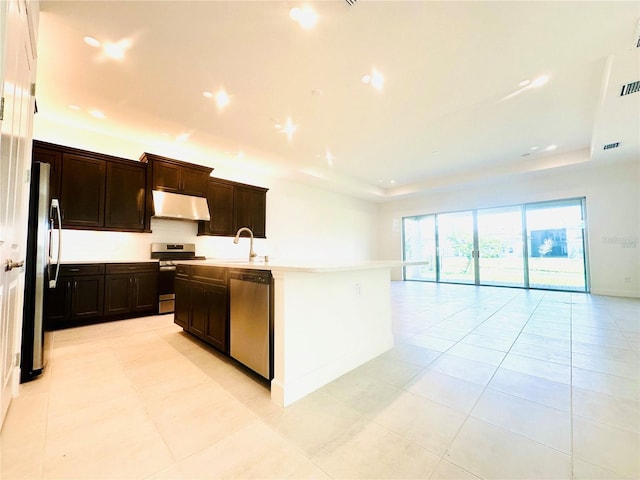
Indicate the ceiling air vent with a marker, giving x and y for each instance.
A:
(611, 145)
(351, 2)
(630, 88)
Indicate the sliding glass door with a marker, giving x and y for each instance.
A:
(500, 247)
(555, 238)
(420, 246)
(537, 245)
(456, 247)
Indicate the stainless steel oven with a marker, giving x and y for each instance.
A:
(168, 255)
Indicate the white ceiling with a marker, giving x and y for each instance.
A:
(451, 107)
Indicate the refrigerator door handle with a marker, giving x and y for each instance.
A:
(55, 206)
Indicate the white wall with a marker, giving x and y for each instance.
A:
(304, 222)
(613, 214)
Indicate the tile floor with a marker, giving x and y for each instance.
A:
(482, 383)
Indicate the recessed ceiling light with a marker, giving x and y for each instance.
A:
(524, 83)
(551, 147)
(207, 94)
(305, 16)
(92, 42)
(329, 156)
(240, 154)
(117, 50)
(289, 128)
(183, 137)
(375, 79)
(97, 114)
(74, 107)
(392, 182)
(222, 99)
(538, 82)
(534, 148)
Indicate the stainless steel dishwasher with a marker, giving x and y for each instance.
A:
(251, 331)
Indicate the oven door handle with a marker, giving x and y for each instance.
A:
(167, 268)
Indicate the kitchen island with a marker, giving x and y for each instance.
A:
(327, 320)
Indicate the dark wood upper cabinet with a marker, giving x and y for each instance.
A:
(250, 209)
(166, 177)
(82, 193)
(194, 181)
(96, 191)
(220, 200)
(234, 205)
(125, 196)
(176, 176)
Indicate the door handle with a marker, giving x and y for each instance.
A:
(10, 265)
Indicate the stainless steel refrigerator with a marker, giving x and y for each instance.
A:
(41, 271)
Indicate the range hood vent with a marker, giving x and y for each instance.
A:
(179, 207)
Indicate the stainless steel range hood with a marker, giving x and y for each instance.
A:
(180, 207)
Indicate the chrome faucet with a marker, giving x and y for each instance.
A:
(252, 254)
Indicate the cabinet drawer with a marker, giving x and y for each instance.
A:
(72, 270)
(203, 273)
(116, 268)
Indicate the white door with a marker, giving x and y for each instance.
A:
(18, 73)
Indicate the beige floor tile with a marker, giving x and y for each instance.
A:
(550, 353)
(629, 370)
(413, 354)
(363, 393)
(536, 389)
(492, 452)
(448, 471)
(390, 369)
(544, 342)
(605, 352)
(607, 384)
(314, 421)
(422, 421)
(476, 353)
(191, 419)
(616, 411)
(583, 470)
(254, 451)
(430, 342)
(124, 446)
(606, 446)
(372, 451)
(172, 472)
(453, 392)
(308, 471)
(538, 368)
(494, 342)
(21, 462)
(463, 368)
(537, 422)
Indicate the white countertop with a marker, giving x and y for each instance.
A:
(296, 266)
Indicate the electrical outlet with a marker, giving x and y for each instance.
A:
(358, 290)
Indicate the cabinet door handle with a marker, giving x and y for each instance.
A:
(74, 269)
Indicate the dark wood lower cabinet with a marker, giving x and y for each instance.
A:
(202, 304)
(91, 293)
(78, 296)
(131, 288)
